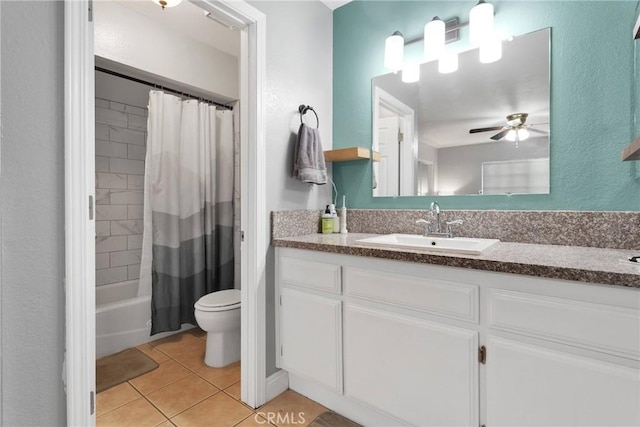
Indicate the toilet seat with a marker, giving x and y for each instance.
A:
(219, 301)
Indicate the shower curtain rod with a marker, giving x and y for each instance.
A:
(164, 88)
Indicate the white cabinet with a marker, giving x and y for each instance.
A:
(566, 378)
(531, 385)
(397, 343)
(311, 337)
(422, 372)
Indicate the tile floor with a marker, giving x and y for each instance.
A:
(183, 391)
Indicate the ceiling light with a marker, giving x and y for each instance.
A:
(394, 51)
(521, 132)
(411, 73)
(167, 3)
(480, 23)
(448, 62)
(491, 50)
(434, 38)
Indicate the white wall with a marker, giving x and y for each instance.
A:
(132, 39)
(32, 81)
(299, 71)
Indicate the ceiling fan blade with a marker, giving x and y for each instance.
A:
(542, 132)
(498, 136)
(485, 129)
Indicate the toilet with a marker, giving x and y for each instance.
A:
(218, 314)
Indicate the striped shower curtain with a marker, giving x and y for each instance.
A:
(188, 248)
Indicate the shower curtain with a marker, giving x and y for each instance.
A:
(188, 248)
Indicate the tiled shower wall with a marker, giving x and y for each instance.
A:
(120, 151)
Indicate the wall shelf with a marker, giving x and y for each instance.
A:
(351, 153)
(631, 151)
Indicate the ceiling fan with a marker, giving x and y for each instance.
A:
(516, 128)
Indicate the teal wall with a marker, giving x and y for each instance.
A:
(593, 92)
(636, 88)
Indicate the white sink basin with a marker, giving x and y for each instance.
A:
(459, 245)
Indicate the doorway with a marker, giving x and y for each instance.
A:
(393, 137)
(80, 203)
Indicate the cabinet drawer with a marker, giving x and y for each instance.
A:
(606, 328)
(435, 296)
(310, 274)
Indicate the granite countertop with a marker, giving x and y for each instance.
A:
(583, 264)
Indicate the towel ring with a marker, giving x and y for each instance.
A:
(303, 109)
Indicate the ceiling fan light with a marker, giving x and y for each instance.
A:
(411, 73)
(480, 23)
(522, 134)
(434, 38)
(448, 62)
(167, 3)
(491, 51)
(394, 51)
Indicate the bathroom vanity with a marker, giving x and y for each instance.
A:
(388, 337)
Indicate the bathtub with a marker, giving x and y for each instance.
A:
(123, 319)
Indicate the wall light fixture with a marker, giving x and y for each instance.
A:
(437, 33)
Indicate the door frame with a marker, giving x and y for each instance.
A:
(409, 152)
(79, 364)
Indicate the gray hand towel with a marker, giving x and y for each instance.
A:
(308, 162)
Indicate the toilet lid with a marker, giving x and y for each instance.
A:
(220, 298)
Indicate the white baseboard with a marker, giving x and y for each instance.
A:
(277, 384)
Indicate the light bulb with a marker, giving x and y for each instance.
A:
(394, 51)
(448, 63)
(411, 73)
(491, 50)
(480, 23)
(522, 134)
(434, 38)
(167, 3)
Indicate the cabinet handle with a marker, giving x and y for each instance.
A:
(482, 354)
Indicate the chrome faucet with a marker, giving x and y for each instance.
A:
(434, 214)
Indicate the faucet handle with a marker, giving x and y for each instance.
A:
(450, 223)
(426, 225)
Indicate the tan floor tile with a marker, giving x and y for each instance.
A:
(197, 332)
(217, 411)
(166, 424)
(193, 360)
(138, 413)
(167, 372)
(183, 394)
(221, 377)
(233, 390)
(293, 410)
(254, 420)
(150, 351)
(115, 397)
(178, 344)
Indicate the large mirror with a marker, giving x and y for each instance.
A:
(483, 129)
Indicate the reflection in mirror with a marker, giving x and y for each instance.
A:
(481, 130)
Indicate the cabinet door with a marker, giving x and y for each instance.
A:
(532, 385)
(311, 337)
(421, 372)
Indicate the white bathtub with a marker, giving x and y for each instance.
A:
(123, 319)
